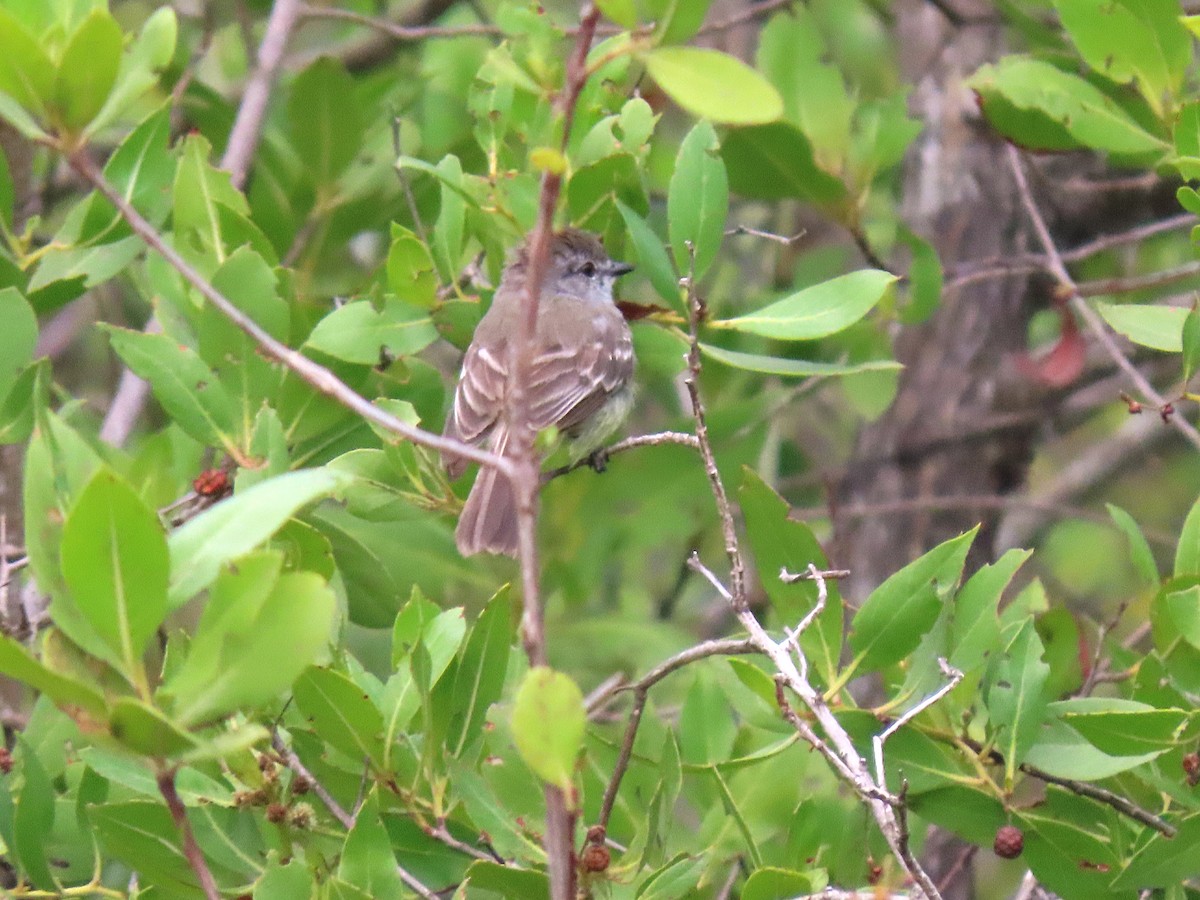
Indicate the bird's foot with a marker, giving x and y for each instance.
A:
(598, 460)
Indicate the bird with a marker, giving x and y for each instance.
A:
(579, 377)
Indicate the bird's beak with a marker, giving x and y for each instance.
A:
(617, 269)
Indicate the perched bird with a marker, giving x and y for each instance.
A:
(579, 376)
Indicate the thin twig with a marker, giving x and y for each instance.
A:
(1081, 307)
(247, 126)
(559, 838)
(292, 761)
(1132, 236)
(1139, 282)
(641, 690)
(414, 884)
(316, 375)
(953, 676)
(1116, 801)
(629, 443)
(191, 850)
(766, 235)
(396, 30)
(737, 567)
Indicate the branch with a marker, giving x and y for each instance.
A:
(1081, 307)
(1116, 801)
(292, 761)
(559, 840)
(737, 567)
(629, 443)
(1139, 282)
(395, 29)
(837, 748)
(247, 126)
(641, 690)
(316, 375)
(191, 850)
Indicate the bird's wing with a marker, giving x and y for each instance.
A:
(569, 381)
(479, 398)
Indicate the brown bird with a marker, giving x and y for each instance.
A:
(579, 376)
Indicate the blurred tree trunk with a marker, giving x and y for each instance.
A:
(959, 378)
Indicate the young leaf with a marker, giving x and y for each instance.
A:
(817, 311)
(146, 731)
(713, 85)
(88, 69)
(548, 721)
(114, 558)
(26, 71)
(697, 200)
(652, 259)
(1191, 344)
(975, 627)
(1122, 727)
(479, 678)
(892, 620)
(236, 526)
(292, 628)
(357, 333)
(368, 861)
(1157, 327)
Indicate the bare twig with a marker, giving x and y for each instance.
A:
(247, 126)
(953, 677)
(439, 832)
(766, 235)
(1132, 236)
(316, 375)
(1081, 307)
(395, 29)
(1138, 282)
(292, 761)
(1116, 801)
(191, 850)
(641, 690)
(629, 443)
(737, 567)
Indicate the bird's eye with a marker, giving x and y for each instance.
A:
(588, 269)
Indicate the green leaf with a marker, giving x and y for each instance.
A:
(146, 731)
(1187, 554)
(889, 625)
(479, 678)
(794, 55)
(548, 721)
(33, 819)
(293, 881)
(713, 85)
(697, 200)
(17, 339)
(341, 713)
(775, 162)
(975, 627)
(88, 69)
(1184, 607)
(259, 631)
(114, 558)
(200, 193)
(674, 880)
(677, 20)
(324, 119)
(652, 259)
(508, 881)
(357, 333)
(1157, 327)
(707, 728)
(189, 390)
(1162, 860)
(26, 71)
(448, 229)
(1140, 553)
(142, 834)
(797, 368)
(410, 271)
(817, 311)
(1015, 697)
(1125, 41)
(1190, 341)
(1122, 727)
(1062, 751)
(236, 526)
(1078, 112)
(151, 52)
(17, 662)
(778, 542)
(769, 883)
(367, 859)
(622, 12)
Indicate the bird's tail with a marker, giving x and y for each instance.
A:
(488, 523)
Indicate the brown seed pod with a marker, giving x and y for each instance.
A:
(595, 858)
